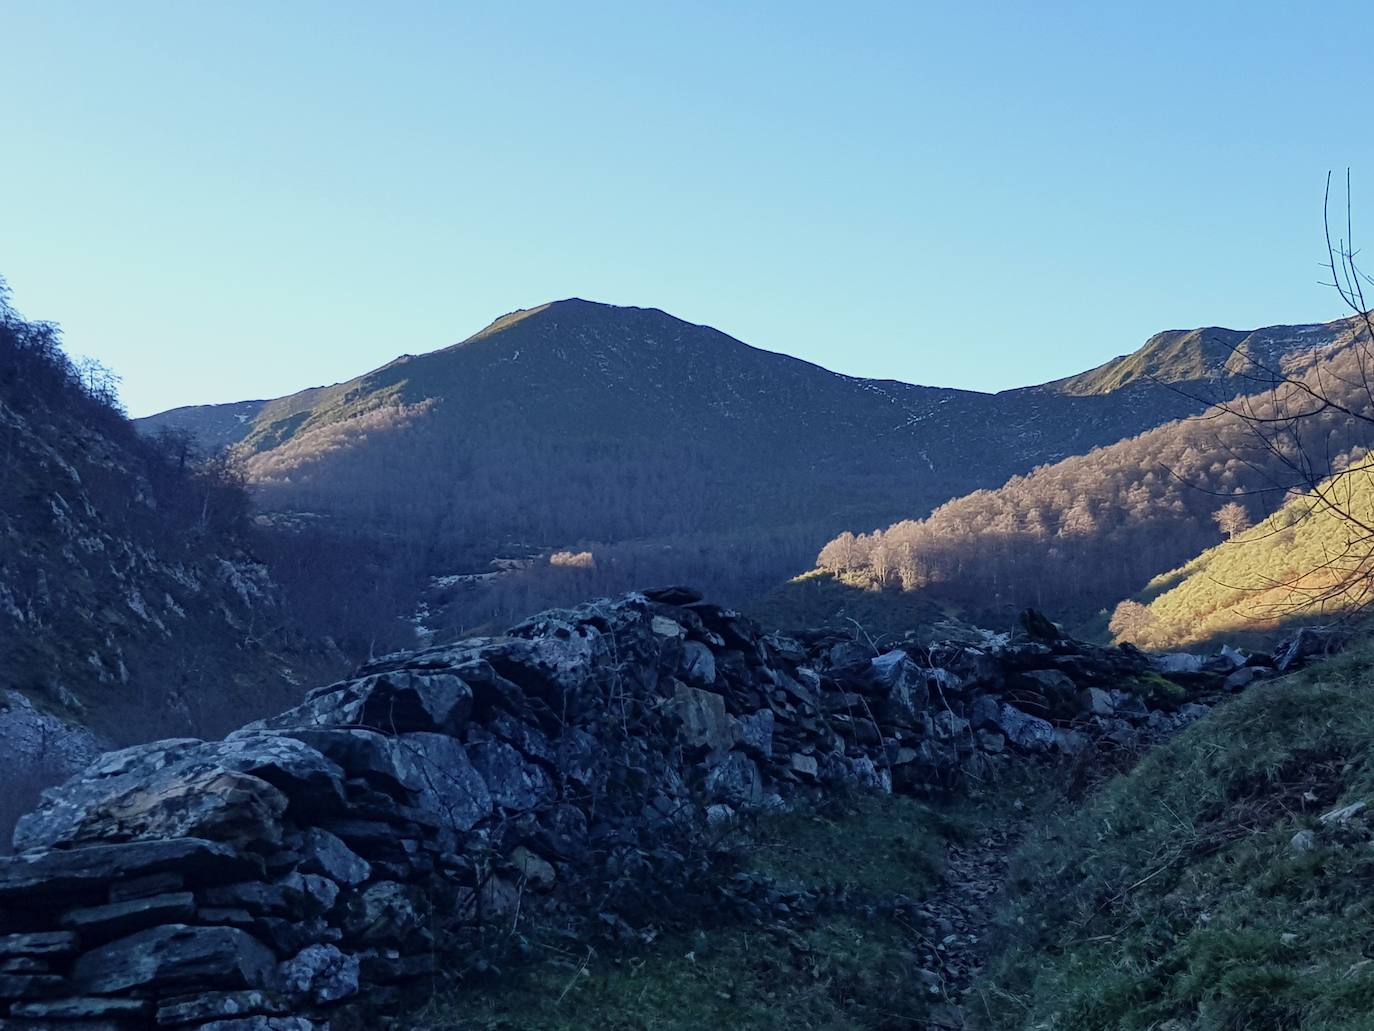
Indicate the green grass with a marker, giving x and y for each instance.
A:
(1175, 898)
(1280, 571)
(839, 969)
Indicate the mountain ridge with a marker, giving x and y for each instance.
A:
(659, 448)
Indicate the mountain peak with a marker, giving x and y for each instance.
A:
(568, 306)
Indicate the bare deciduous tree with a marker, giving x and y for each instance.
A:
(1310, 422)
(1232, 518)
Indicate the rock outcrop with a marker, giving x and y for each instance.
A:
(304, 870)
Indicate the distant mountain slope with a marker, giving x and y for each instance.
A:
(129, 600)
(1079, 535)
(213, 426)
(1295, 566)
(1223, 359)
(654, 447)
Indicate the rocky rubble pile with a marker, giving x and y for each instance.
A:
(305, 870)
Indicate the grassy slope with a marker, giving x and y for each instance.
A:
(1267, 576)
(1176, 900)
(848, 969)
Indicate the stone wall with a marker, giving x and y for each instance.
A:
(310, 867)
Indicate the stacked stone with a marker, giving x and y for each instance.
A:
(330, 856)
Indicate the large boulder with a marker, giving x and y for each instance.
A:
(176, 956)
(197, 799)
(234, 791)
(439, 771)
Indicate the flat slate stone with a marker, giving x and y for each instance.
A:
(253, 896)
(30, 986)
(194, 1009)
(153, 884)
(120, 918)
(33, 879)
(176, 956)
(44, 943)
(81, 1008)
(25, 965)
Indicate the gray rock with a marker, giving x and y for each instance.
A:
(985, 713)
(1096, 702)
(386, 913)
(1027, 732)
(1178, 662)
(325, 854)
(31, 986)
(254, 896)
(1343, 815)
(176, 957)
(1129, 704)
(1303, 841)
(948, 726)
(81, 1008)
(165, 790)
(532, 868)
(395, 702)
(362, 753)
(95, 923)
(142, 887)
(1055, 686)
(444, 779)
(1192, 711)
(705, 723)
(514, 784)
(698, 664)
(805, 766)
(756, 733)
(719, 815)
(320, 973)
(50, 944)
(33, 879)
(1235, 659)
(1307, 644)
(1242, 678)
(991, 741)
(25, 965)
(904, 685)
(736, 781)
(263, 1024)
(320, 893)
(194, 1009)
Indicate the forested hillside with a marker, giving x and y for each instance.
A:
(1081, 534)
(131, 601)
(578, 449)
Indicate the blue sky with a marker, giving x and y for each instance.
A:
(237, 200)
